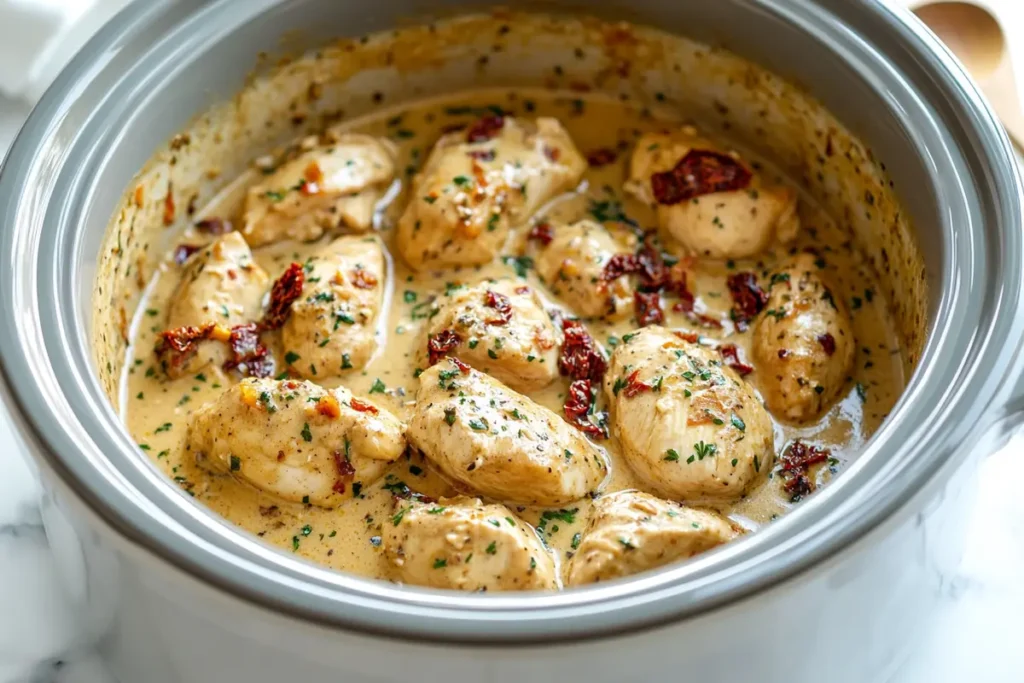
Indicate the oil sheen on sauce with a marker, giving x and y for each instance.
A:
(348, 538)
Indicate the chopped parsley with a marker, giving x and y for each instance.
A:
(704, 450)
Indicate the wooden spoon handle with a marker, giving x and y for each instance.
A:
(975, 32)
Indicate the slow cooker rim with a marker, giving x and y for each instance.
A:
(21, 159)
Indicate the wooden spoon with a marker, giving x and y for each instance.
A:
(976, 38)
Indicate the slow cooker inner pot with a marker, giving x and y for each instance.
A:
(853, 175)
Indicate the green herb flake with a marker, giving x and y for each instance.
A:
(672, 455)
(378, 387)
(704, 450)
(307, 435)
(236, 463)
(291, 357)
(397, 518)
(492, 549)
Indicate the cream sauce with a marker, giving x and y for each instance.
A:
(348, 538)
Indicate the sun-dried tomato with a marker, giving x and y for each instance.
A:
(687, 301)
(634, 387)
(363, 279)
(601, 157)
(485, 128)
(748, 299)
(285, 291)
(619, 265)
(578, 406)
(363, 406)
(731, 354)
(441, 343)
(542, 232)
(176, 347)
(654, 275)
(828, 343)
(247, 350)
(647, 308)
(552, 153)
(346, 472)
(502, 307)
(699, 172)
(799, 456)
(482, 154)
(580, 357)
(463, 368)
(796, 461)
(183, 251)
(687, 336)
(214, 226)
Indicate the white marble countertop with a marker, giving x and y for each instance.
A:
(976, 636)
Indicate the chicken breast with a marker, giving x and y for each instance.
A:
(476, 184)
(500, 328)
(630, 532)
(335, 184)
(462, 544)
(498, 443)
(296, 440)
(689, 426)
(572, 265)
(332, 327)
(728, 224)
(221, 284)
(803, 344)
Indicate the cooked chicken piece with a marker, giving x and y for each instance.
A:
(462, 544)
(500, 328)
(333, 185)
(477, 184)
(220, 284)
(630, 532)
(689, 427)
(803, 345)
(296, 440)
(572, 265)
(332, 326)
(728, 224)
(499, 443)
